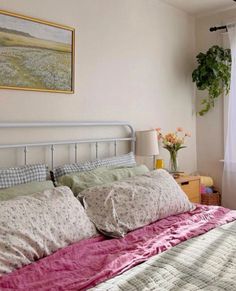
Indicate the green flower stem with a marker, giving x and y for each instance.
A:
(173, 161)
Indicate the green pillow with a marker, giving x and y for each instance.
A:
(80, 181)
(25, 189)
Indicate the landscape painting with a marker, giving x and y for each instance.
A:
(35, 55)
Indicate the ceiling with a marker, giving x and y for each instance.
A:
(198, 7)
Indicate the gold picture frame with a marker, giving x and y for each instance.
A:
(36, 55)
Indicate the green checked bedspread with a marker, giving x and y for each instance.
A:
(206, 262)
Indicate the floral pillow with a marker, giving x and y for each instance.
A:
(34, 226)
(125, 205)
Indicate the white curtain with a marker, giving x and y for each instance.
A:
(229, 175)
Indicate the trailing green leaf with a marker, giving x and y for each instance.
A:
(213, 74)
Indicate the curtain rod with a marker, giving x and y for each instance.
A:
(215, 28)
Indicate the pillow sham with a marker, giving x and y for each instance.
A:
(10, 177)
(125, 205)
(34, 226)
(80, 181)
(25, 189)
(123, 160)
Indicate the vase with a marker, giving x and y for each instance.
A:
(173, 163)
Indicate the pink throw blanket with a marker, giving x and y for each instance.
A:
(92, 261)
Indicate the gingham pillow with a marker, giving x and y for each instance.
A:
(123, 160)
(20, 175)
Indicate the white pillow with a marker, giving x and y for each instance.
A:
(123, 206)
(32, 227)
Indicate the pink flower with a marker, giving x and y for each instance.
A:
(188, 134)
(180, 129)
(158, 129)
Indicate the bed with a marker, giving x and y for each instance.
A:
(193, 249)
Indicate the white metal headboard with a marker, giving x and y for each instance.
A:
(52, 144)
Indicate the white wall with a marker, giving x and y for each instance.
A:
(134, 60)
(210, 128)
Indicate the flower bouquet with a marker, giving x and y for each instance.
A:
(173, 142)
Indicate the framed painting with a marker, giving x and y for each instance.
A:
(35, 54)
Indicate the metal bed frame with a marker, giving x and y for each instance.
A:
(78, 124)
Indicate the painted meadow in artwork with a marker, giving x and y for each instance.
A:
(35, 55)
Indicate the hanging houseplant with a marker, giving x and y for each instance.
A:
(213, 75)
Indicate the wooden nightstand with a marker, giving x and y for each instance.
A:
(191, 186)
